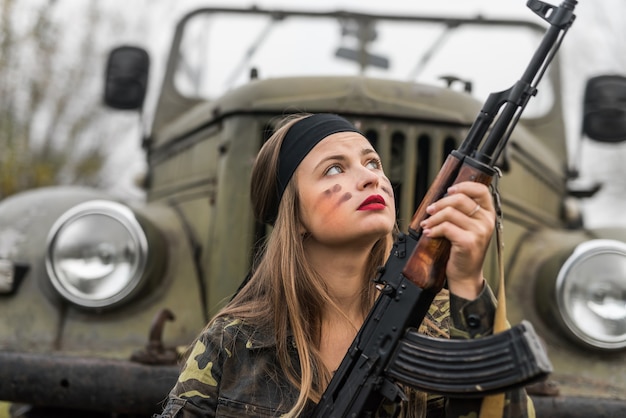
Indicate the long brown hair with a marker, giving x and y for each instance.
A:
(284, 290)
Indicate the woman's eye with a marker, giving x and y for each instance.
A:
(332, 170)
(374, 164)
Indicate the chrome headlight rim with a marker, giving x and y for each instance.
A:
(129, 221)
(583, 252)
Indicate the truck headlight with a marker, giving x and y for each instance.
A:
(591, 293)
(96, 254)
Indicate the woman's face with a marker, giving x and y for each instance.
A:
(344, 194)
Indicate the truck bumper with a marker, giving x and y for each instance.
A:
(85, 383)
(106, 385)
(575, 407)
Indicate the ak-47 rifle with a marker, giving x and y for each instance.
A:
(387, 349)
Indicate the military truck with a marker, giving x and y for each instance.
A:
(99, 296)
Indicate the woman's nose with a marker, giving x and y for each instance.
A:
(368, 178)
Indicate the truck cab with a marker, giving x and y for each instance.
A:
(100, 297)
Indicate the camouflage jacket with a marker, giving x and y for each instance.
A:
(232, 370)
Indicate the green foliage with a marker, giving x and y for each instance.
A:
(52, 123)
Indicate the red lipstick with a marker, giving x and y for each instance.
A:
(374, 202)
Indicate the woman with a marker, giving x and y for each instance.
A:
(273, 349)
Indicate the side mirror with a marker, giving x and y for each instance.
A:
(604, 113)
(126, 80)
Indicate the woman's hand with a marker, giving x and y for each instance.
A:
(466, 217)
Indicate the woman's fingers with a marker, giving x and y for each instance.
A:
(474, 211)
(467, 205)
(466, 217)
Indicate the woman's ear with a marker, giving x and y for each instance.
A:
(302, 230)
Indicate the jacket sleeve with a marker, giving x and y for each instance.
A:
(195, 394)
(474, 319)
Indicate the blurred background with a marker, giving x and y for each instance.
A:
(54, 129)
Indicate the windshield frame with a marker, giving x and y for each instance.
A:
(536, 28)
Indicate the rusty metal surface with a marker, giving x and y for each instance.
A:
(543, 388)
(85, 383)
(155, 352)
(575, 407)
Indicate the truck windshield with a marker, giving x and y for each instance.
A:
(222, 49)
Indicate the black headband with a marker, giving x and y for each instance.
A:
(299, 141)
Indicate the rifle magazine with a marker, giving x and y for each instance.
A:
(470, 368)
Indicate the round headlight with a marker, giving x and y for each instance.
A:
(97, 254)
(591, 293)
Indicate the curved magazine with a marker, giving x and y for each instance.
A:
(470, 368)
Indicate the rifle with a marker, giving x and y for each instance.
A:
(387, 349)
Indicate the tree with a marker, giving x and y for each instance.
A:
(53, 128)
